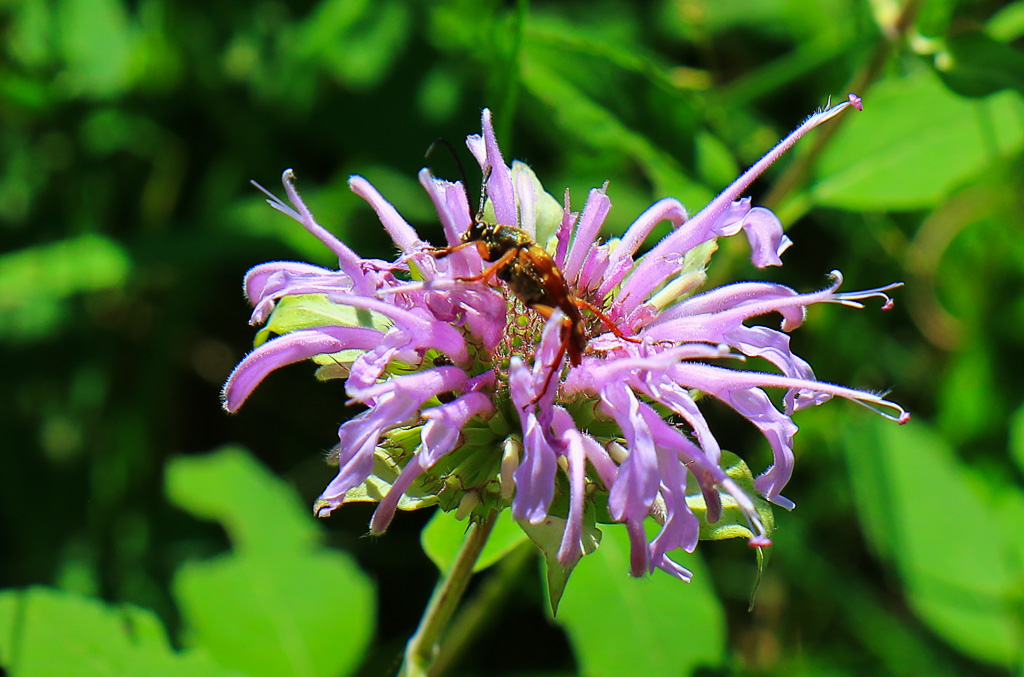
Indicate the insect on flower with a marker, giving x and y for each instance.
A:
(449, 366)
(532, 276)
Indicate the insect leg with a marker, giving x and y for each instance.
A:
(580, 303)
(492, 269)
(545, 312)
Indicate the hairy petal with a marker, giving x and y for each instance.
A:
(288, 349)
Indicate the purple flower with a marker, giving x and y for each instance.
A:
(471, 405)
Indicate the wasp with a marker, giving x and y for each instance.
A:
(532, 276)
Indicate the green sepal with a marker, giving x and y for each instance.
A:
(306, 311)
(471, 467)
(379, 483)
(547, 210)
(733, 523)
(763, 555)
(547, 536)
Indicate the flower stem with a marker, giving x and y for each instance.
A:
(422, 648)
(476, 615)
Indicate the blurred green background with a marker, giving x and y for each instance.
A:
(129, 133)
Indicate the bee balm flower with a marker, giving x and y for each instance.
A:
(470, 402)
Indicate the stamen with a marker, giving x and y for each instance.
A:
(902, 416)
(852, 298)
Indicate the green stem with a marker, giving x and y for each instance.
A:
(477, 614)
(422, 649)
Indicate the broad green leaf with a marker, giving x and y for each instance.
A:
(914, 143)
(280, 613)
(659, 625)
(443, 536)
(280, 604)
(259, 511)
(46, 632)
(958, 552)
(307, 311)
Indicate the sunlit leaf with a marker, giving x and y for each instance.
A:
(260, 512)
(307, 311)
(55, 271)
(45, 632)
(915, 142)
(279, 604)
(655, 626)
(959, 556)
(279, 614)
(1007, 23)
(733, 522)
(444, 534)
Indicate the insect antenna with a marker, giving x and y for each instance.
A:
(462, 174)
(458, 163)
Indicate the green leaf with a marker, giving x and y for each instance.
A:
(656, 626)
(307, 311)
(259, 512)
(443, 536)
(914, 143)
(975, 65)
(279, 614)
(279, 605)
(958, 551)
(36, 281)
(45, 632)
(1008, 23)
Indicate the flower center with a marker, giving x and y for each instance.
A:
(523, 328)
